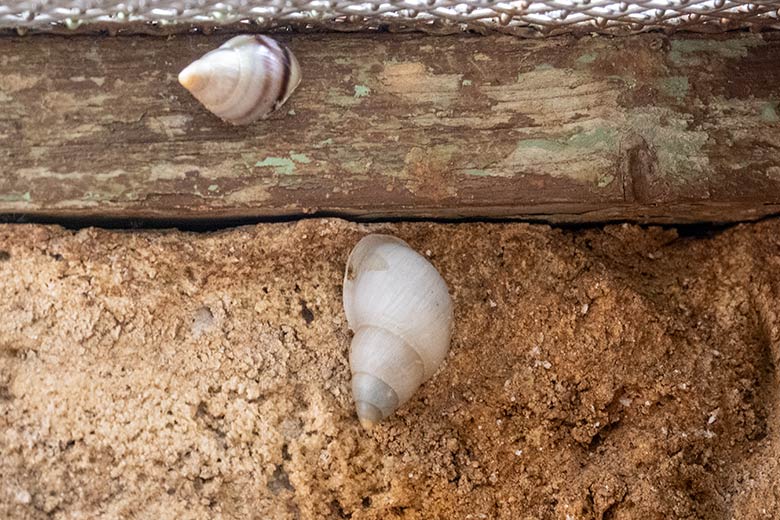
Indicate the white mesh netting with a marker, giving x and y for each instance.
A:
(524, 17)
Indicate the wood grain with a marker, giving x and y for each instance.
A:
(649, 128)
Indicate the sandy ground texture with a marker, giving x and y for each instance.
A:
(620, 372)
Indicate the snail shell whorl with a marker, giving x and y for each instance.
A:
(245, 79)
(401, 312)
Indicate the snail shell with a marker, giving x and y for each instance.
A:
(401, 312)
(245, 79)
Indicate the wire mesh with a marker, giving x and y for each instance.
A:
(522, 17)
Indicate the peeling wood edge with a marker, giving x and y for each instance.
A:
(662, 214)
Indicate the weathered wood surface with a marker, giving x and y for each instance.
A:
(650, 128)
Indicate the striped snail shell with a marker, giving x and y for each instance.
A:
(401, 312)
(245, 79)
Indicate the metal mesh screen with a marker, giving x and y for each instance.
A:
(523, 18)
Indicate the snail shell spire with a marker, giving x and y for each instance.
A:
(401, 312)
(245, 79)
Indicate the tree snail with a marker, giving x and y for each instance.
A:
(401, 312)
(245, 79)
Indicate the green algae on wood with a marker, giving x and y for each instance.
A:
(476, 172)
(584, 155)
(300, 158)
(605, 181)
(587, 58)
(281, 165)
(675, 86)
(361, 91)
(15, 197)
(689, 51)
(769, 112)
(590, 140)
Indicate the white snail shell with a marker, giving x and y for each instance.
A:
(245, 79)
(401, 312)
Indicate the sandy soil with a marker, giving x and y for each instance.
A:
(620, 372)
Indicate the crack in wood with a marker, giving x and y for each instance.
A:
(637, 168)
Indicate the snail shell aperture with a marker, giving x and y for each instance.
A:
(245, 79)
(401, 312)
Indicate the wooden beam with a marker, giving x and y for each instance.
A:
(650, 128)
